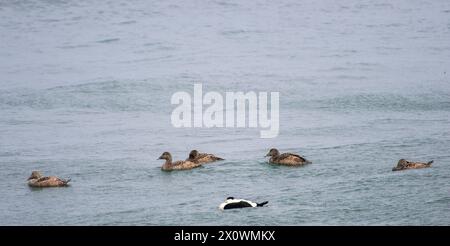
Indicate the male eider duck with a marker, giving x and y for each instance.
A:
(288, 159)
(404, 164)
(37, 180)
(231, 203)
(178, 165)
(202, 158)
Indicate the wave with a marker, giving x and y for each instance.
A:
(106, 95)
(383, 102)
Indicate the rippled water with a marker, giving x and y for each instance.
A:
(85, 93)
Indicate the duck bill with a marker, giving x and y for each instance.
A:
(160, 158)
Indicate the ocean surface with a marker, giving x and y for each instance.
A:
(85, 90)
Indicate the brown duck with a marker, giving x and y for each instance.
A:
(37, 180)
(404, 164)
(202, 158)
(177, 165)
(288, 159)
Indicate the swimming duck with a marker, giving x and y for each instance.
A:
(288, 159)
(37, 180)
(202, 158)
(404, 164)
(231, 203)
(178, 165)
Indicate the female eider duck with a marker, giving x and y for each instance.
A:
(231, 203)
(37, 180)
(178, 165)
(404, 164)
(202, 158)
(288, 159)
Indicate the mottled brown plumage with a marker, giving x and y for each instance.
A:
(37, 180)
(288, 159)
(202, 158)
(177, 165)
(404, 164)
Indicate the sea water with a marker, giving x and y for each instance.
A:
(85, 91)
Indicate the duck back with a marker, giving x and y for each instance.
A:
(289, 159)
(48, 182)
(206, 158)
(180, 165)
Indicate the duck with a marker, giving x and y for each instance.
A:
(404, 164)
(202, 158)
(37, 180)
(231, 203)
(177, 165)
(287, 159)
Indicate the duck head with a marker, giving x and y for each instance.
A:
(402, 163)
(165, 156)
(193, 154)
(35, 175)
(273, 152)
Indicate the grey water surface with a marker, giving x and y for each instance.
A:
(85, 90)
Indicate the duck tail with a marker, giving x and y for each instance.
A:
(430, 162)
(262, 204)
(66, 182)
(219, 159)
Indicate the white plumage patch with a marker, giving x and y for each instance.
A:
(236, 201)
